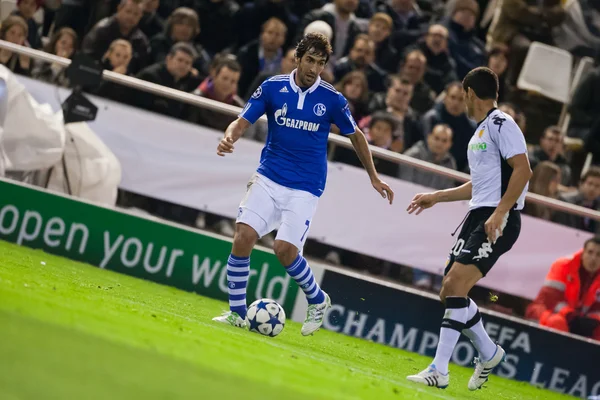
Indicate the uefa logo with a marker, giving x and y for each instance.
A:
(319, 109)
(257, 93)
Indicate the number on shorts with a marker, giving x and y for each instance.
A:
(306, 230)
(458, 246)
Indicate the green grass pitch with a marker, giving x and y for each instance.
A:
(72, 331)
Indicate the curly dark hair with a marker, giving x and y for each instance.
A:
(317, 42)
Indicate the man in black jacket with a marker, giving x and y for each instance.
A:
(151, 23)
(387, 55)
(441, 68)
(340, 16)
(409, 21)
(413, 68)
(361, 58)
(452, 112)
(263, 55)
(122, 25)
(174, 73)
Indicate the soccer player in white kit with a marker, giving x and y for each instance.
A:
(500, 173)
(284, 191)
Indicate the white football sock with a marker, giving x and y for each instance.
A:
(453, 323)
(475, 331)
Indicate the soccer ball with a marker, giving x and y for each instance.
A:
(266, 317)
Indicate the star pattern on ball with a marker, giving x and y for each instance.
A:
(274, 321)
(254, 324)
(262, 305)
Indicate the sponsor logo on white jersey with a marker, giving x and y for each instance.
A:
(282, 120)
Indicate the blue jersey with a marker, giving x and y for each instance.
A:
(295, 154)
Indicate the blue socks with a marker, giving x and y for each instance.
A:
(300, 271)
(238, 271)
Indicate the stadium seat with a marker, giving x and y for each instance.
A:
(6, 8)
(547, 71)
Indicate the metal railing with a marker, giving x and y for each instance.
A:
(202, 102)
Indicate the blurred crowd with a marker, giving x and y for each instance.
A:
(398, 62)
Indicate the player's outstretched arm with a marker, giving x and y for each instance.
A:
(234, 131)
(361, 147)
(423, 201)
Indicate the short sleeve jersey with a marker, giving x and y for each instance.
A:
(497, 139)
(299, 122)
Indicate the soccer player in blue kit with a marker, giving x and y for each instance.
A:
(284, 192)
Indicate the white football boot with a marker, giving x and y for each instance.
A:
(231, 318)
(483, 369)
(431, 377)
(314, 316)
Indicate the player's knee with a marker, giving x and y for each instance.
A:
(245, 237)
(450, 287)
(285, 252)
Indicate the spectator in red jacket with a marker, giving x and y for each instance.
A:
(569, 301)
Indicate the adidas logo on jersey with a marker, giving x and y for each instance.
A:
(284, 90)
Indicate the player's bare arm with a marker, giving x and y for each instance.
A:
(520, 176)
(423, 201)
(234, 131)
(361, 146)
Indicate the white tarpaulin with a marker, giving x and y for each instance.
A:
(34, 137)
(177, 162)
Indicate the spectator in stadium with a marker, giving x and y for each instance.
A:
(569, 300)
(587, 196)
(262, 55)
(515, 113)
(183, 25)
(408, 129)
(63, 44)
(452, 112)
(287, 65)
(176, 73)
(361, 58)
(254, 14)
(498, 62)
(116, 59)
(467, 50)
(551, 148)
(118, 56)
(521, 22)
(220, 87)
(413, 69)
(122, 25)
(584, 107)
(579, 33)
(387, 55)
(380, 131)
(14, 30)
(545, 180)
(340, 16)
(436, 150)
(26, 9)
(151, 23)
(409, 21)
(218, 21)
(75, 14)
(441, 68)
(355, 89)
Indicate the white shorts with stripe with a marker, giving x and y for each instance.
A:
(269, 206)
